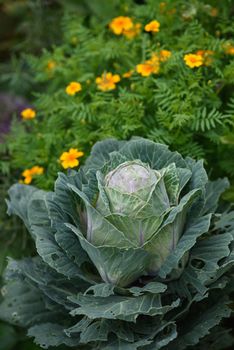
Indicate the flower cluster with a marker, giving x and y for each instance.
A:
(201, 57)
(70, 159)
(152, 65)
(148, 67)
(124, 26)
(28, 174)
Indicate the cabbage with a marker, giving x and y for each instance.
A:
(133, 252)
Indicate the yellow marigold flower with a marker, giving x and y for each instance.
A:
(28, 113)
(27, 176)
(51, 65)
(229, 49)
(152, 26)
(69, 159)
(148, 67)
(73, 88)
(193, 60)
(29, 173)
(128, 74)
(120, 24)
(107, 81)
(134, 31)
(207, 60)
(164, 55)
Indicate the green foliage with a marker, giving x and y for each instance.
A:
(92, 283)
(190, 109)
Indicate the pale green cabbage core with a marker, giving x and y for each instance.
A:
(130, 177)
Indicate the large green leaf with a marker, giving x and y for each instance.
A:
(162, 336)
(51, 334)
(54, 285)
(120, 307)
(184, 177)
(200, 325)
(214, 189)
(138, 231)
(199, 180)
(151, 287)
(117, 266)
(164, 241)
(100, 231)
(24, 305)
(46, 244)
(204, 265)
(195, 229)
(156, 155)
(100, 153)
(96, 331)
(66, 199)
(20, 196)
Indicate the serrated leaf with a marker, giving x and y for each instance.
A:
(51, 334)
(200, 325)
(118, 307)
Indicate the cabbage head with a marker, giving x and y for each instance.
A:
(133, 252)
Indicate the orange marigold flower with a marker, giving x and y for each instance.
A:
(152, 26)
(73, 88)
(148, 67)
(207, 60)
(28, 113)
(37, 170)
(28, 174)
(107, 81)
(229, 49)
(69, 159)
(134, 31)
(164, 55)
(120, 24)
(193, 60)
(128, 74)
